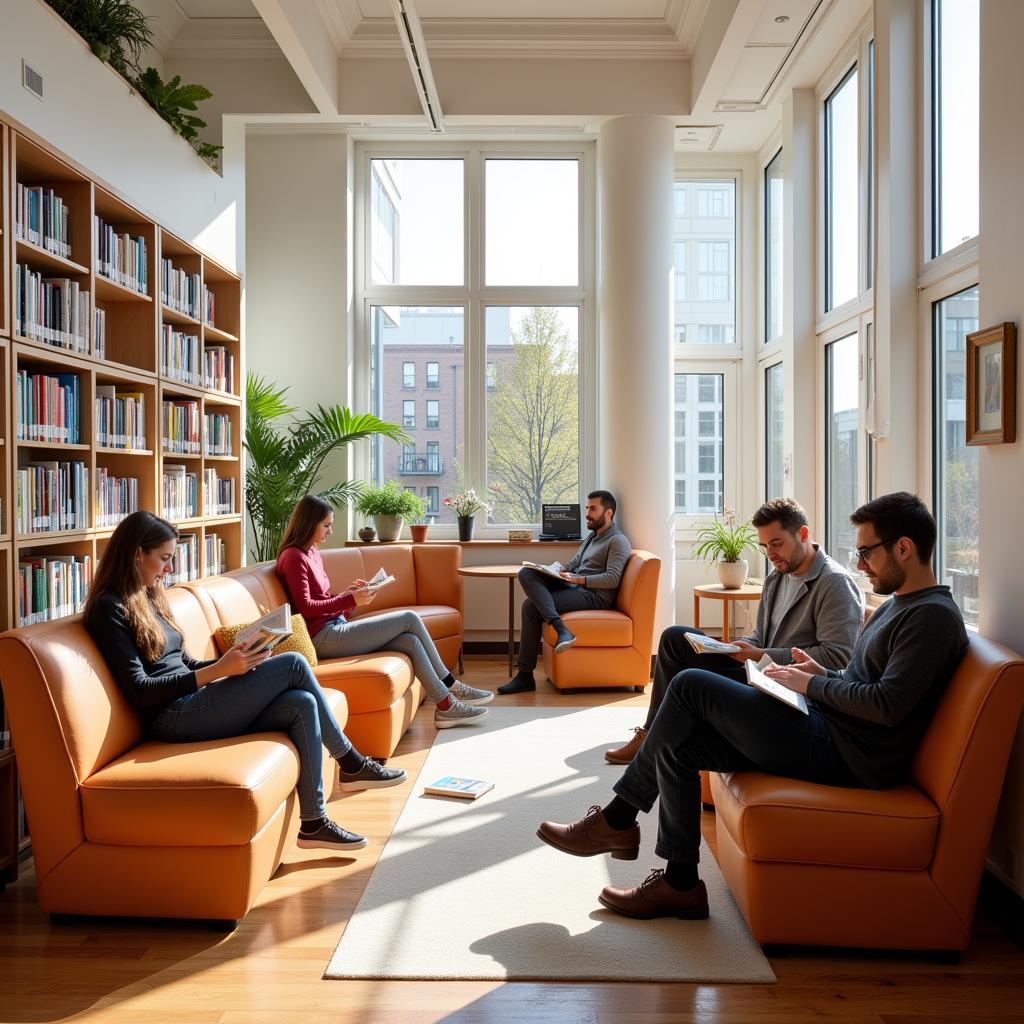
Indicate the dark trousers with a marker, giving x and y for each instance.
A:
(546, 599)
(709, 722)
(675, 655)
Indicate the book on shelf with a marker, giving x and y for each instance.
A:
(51, 586)
(185, 564)
(120, 418)
(179, 289)
(53, 310)
(709, 645)
(51, 496)
(378, 581)
(116, 497)
(99, 333)
(180, 355)
(209, 306)
(214, 555)
(180, 492)
(218, 494)
(121, 257)
(42, 218)
(47, 407)
(218, 368)
(757, 678)
(267, 632)
(217, 434)
(464, 789)
(180, 426)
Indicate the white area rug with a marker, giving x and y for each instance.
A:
(465, 889)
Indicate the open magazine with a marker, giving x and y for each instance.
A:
(709, 645)
(266, 633)
(554, 569)
(377, 581)
(757, 678)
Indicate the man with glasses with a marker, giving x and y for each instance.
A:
(808, 601)
(862, 728)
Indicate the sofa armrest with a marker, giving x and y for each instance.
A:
(437, 577)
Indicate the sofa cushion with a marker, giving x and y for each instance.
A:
(778, 819)
(596, 627)
(193, 621)
(370, 682)
(299, 641)
(228, 600)
(396, 559)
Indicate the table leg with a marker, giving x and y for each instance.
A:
(725, 619)
(696, 610)
(511, 623)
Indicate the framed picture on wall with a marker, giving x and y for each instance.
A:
(992, 385)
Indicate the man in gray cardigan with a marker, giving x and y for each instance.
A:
(808, 601)
(590, 579)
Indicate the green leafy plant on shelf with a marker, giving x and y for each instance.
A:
(390, 500)
(286, 463)
(174, 103)
(725, 539)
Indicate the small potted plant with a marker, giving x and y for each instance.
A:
(389, 505)
(465, 505)
(419, 528)
(723, 542)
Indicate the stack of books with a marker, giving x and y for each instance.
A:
(48, 407)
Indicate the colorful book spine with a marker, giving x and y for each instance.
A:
(120, 418)
(218, 368)
(214, 555)
(53, 310)
(116, 497)
(47, 407)
(121, 257)
(209, 306)
(218, 434)
(185, 565)
(218, 494)
(42, 218)
(180, 355)
(180, 493)
(179, 289)
(51, 496)
(180, 427)
(52, 586)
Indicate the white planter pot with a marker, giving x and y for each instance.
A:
(388, 527)
(732, 575)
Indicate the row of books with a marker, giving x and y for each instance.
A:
(218, 434)
(180, 493)
(185, 566)
(99, 333)
(214, 555)
(52, 586)
(116, 497)
(51, 496)
(120, 417)
(218, 494)
(179, 355)
(180, 289)
(218, 368)
(47, 407)
(180, 427)
(54, 310)
(209, 306)
(121, 257)
(42, 218)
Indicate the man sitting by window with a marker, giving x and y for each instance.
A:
(808, 601)
(590, 579)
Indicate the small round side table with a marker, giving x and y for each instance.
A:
(716, 592)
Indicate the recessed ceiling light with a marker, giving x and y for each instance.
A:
(782, 19)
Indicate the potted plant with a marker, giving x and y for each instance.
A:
(389, 505)
(418, 529)
(724, 542)
(116, 30)
(465, 505)
(285, 465)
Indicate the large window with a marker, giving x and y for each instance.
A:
(705, 257)
(842, 434)
(773, 425)
(955, 471)
(773, 184)
(955, 119)
(842, 193)
(699, 443)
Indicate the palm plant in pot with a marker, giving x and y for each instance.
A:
(284, 465)
(724, 542)
(390, 506)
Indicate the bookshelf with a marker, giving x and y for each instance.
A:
(89, 312)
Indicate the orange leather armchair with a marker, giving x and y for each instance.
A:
(126, 825)
(890, 869)
(613, 646)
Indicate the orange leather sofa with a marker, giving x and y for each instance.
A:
(613, 646)
(884, 869)
(381, 690)
(128, 826)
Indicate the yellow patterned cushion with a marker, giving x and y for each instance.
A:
(299, 641)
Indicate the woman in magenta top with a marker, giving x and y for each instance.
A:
(301, 570)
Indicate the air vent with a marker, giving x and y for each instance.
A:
(32, 80)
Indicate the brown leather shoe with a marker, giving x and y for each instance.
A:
(625, 754)
(654, 897)
(592, 835)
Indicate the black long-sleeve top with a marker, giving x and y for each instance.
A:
(150, 686)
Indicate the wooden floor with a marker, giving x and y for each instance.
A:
(270, 969)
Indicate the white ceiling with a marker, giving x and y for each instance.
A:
(217, 8)
(484, 9)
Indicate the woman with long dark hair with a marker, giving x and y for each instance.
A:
(301, 570)
(181, 700)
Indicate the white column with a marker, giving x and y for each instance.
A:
(635, 173)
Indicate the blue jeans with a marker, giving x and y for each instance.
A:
(281, 694)
(393, 631)
(707, 721)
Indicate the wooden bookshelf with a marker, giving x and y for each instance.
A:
(130, 362)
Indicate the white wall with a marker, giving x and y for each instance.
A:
(91, 114)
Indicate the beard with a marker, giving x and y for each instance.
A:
(889, 578)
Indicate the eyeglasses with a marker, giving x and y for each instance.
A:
(862, 553)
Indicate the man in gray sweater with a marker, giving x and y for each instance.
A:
(808, 601)
(862, 727)
(590, 579)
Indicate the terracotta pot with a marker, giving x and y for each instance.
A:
(419, 532)
(732, 575)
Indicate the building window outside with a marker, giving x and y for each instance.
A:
(409, 412)
(699, 453)
(706, 463)
(714, 202)
(383, 224)
(707, 387)
(714, 334)
(681, 270)
(679, 201)
(955, 471)
(773, 427)
(955, 122)
(433, 376)
(492, 376)
(706, 424)
(773, 199)
(680, 334)
(433, 414)
(713, 271)
(842, 192)
(408, 375)
(842, 431)
(680, 494)
(707, 498)
(433, 500)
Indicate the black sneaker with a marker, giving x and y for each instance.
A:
(521, 682)
(373, 775)
(331, 837)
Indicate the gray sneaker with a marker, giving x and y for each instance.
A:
(470, 694)
(457, 714)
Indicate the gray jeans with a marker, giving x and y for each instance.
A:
(392, 631)
(281, 694)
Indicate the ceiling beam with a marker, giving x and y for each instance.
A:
(719, 46)
(306, 43)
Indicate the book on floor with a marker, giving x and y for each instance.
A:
(757, 678)
(377, 581)
(709, 645)
(465, 789)
(266, 633)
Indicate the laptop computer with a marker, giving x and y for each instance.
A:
(560, 522)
